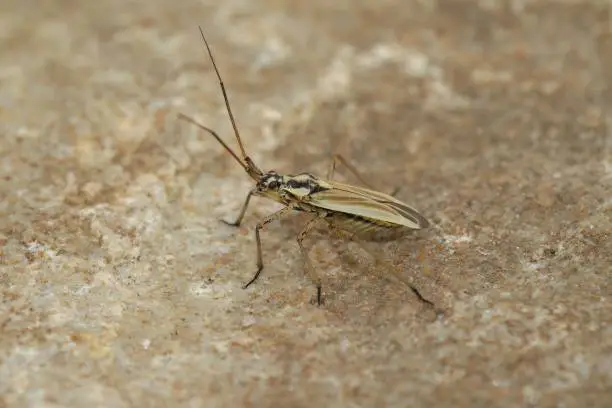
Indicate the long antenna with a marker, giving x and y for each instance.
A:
(225, 97)
(216, 136)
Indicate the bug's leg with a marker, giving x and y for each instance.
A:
(332, 168)
(242, 211)
(414, 290)
(378, 260)
(274, 216)
(339, 158)
(352, 169)
(310, 270)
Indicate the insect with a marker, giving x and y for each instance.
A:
(363, 213)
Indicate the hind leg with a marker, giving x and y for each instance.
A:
(380, 261)
(339, 158)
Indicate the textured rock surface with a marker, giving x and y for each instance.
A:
(119, 286)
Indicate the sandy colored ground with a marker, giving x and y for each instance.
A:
(119, 286)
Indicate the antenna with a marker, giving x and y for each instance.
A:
(216, 136)
(225, 97)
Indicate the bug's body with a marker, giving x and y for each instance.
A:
(364, 213)
(368, 214)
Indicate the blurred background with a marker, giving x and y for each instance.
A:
(120, 287)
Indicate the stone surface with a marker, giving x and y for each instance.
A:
(120, 287)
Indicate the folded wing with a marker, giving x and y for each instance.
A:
(368, 204)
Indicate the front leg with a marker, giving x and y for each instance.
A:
(242, 211)
(275, 216)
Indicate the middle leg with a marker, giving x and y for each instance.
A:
(310, 270)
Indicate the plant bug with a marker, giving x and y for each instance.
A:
(363, 213)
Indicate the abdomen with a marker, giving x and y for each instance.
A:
(365, 228)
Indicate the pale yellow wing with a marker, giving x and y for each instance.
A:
(367, 203)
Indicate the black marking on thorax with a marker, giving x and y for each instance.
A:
(271, 181)
(304, 181)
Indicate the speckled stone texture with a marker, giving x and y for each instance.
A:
(119, 286)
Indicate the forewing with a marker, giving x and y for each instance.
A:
(369, 204)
